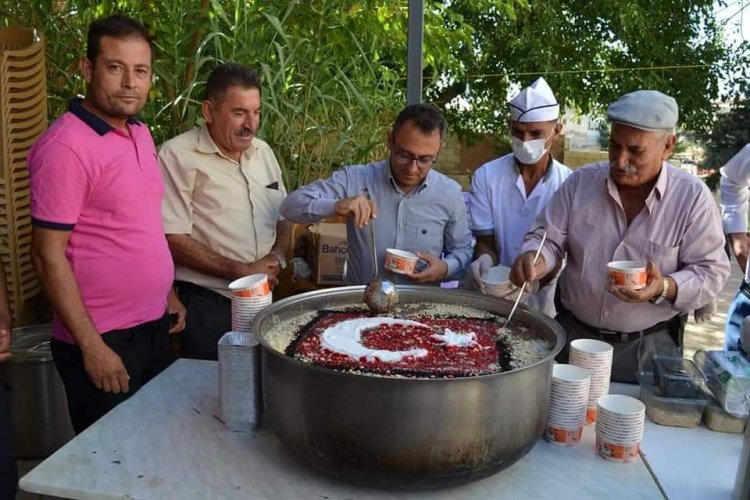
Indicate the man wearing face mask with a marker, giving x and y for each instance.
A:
(636, 207)
(509, 192)
(223, 190)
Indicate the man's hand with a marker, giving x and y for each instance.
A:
(4, 340)
(740, 245)
(105, 369)
(436, 269)
(524, 269)
(653, 288)
(268, 264)
(358, 208)
(705, 313)
(479, 268)
(174, 306)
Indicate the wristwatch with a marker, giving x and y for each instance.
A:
(663, 295)
(280, 258)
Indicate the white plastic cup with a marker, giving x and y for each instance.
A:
(627, 273)
(400, 261)
(254, 285)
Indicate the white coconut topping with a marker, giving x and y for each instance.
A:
(456, 339)
(346, 338)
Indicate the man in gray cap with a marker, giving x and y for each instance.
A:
(636, 207)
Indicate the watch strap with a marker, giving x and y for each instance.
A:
(664, 291)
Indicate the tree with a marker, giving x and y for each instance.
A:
(730, 133)
(334, 71)
(590, 53)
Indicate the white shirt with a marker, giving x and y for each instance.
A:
(498, 205)
(735, 191)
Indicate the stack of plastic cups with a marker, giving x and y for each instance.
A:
(619, 427)
(568, 402)
(596, 357)
(250, 295)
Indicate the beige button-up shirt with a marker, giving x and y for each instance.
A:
(679, 228)
(231, 207)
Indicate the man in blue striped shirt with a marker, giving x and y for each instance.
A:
(413, 207)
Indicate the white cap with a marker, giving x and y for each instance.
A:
(535, 103)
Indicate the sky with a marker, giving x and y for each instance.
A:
(736, 15)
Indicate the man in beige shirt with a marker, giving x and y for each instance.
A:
(223, 189)
(634, 207)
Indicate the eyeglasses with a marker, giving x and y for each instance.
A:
(404, 159)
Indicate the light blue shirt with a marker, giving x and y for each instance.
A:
(430, 219)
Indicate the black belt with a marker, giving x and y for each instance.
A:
(745, 288)
(613, 336)
(202, 291)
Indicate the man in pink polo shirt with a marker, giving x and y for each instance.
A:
(98, 240)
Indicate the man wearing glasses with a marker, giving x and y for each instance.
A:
(412, 207)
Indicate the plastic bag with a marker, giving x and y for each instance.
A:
(728, 377)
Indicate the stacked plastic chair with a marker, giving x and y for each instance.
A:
(23, 117)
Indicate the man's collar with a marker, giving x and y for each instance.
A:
(206, 143)
(660, 186)
(99, 126)
(661, 181)
(547, 172)
(422, 185)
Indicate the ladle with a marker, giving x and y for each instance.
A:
(380, 295)
(523, 287)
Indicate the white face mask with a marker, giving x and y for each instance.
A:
(529, 152)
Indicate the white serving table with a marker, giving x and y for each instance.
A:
(167, 442)
(695, 463)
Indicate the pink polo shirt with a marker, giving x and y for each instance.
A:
(105, 188)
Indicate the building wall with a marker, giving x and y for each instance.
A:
(575, 158)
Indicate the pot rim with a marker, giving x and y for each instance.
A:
(523, 312)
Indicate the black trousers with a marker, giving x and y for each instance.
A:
(8, 469)
(144, 350)
(628, 357)
(209, 316)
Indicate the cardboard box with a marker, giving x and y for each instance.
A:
(328, 252)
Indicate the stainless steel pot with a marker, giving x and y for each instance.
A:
(38, 406)
(398, 432)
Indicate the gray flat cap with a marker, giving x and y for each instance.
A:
(645, 109)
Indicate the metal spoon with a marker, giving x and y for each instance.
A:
(380, 295)
(523, 287)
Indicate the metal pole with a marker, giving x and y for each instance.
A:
(414, 52)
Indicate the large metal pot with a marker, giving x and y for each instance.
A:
(399, 432)
(38, 406)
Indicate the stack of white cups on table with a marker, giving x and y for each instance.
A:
(568, 402)
(596, 357)
(619, 427)
(250, 295)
